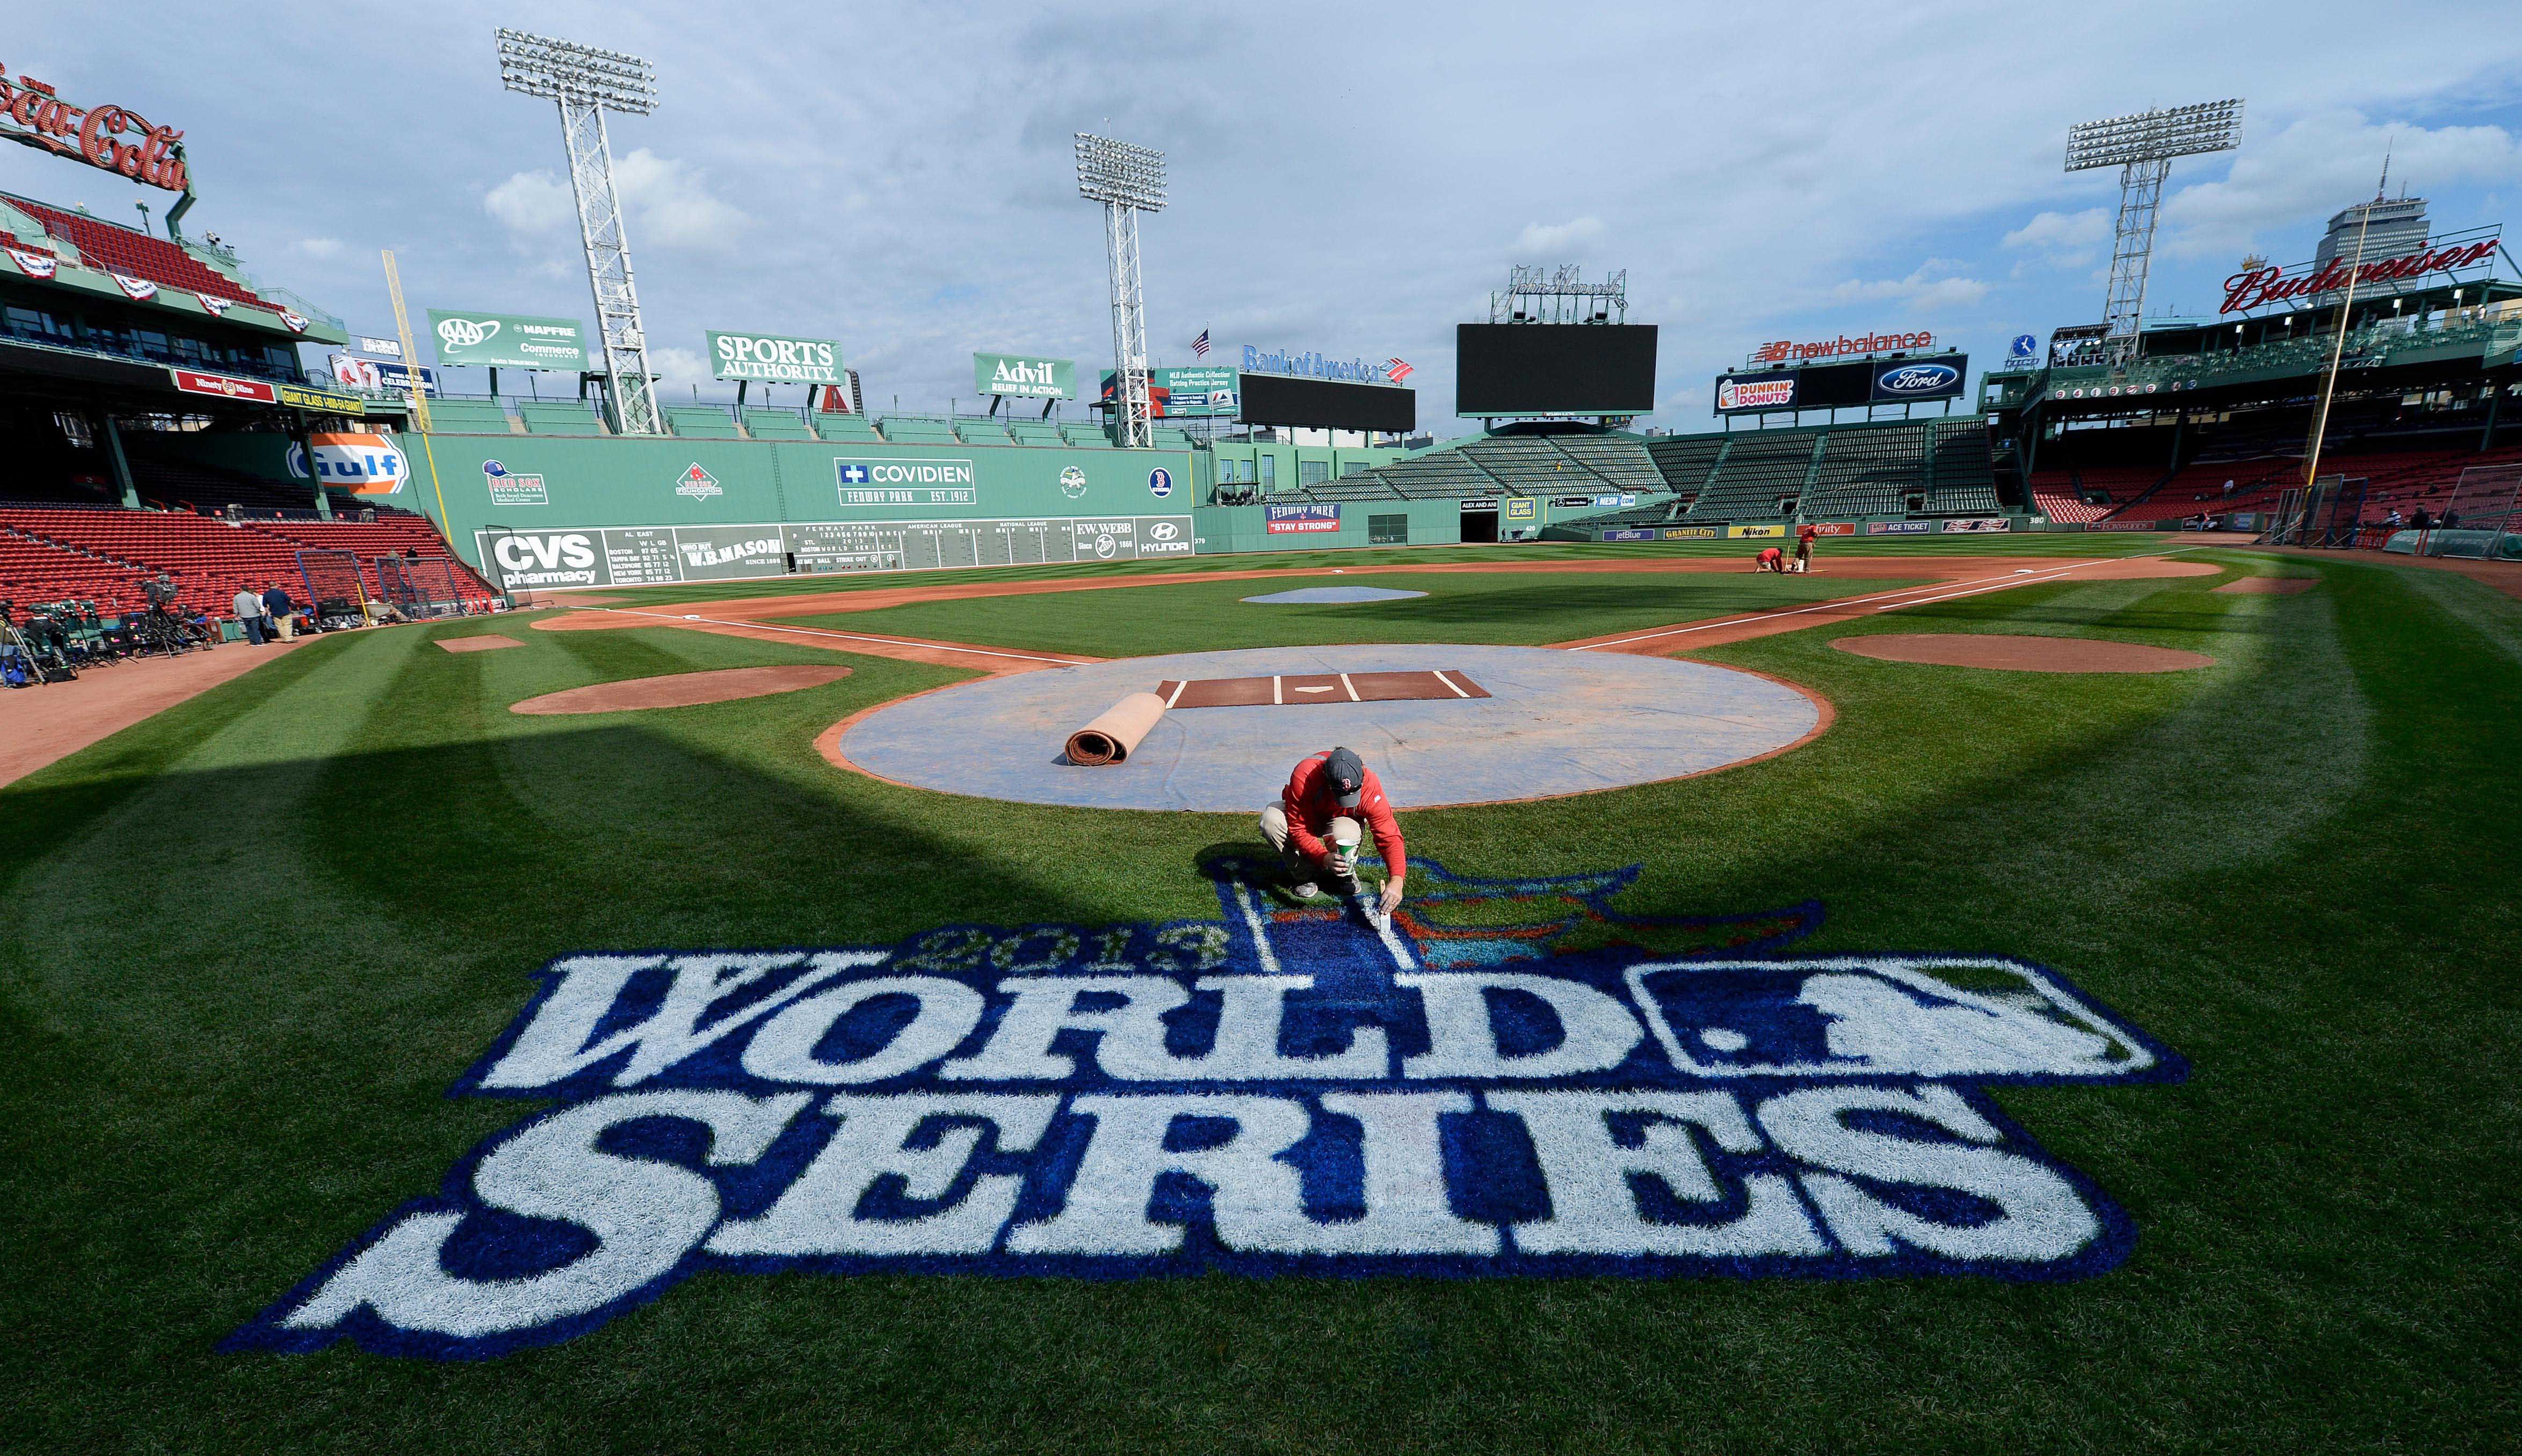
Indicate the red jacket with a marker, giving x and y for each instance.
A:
(1805, 534)
(1312, 803)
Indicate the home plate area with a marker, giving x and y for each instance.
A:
(1440, 723)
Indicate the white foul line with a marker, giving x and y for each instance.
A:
(1176, 693)
(1448, 682)
(2001, 585)
(1350, 688)
(1276, 698)
(978, 651)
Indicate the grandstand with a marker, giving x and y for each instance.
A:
(1513, 461)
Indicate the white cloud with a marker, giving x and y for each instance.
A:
(1553, 240)
(2316, 165)
(2064, 238)
(530, 204)
(1932, 286)
(668, 203)
(319, 247)
(681, 366)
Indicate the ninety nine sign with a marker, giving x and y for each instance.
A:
(774, 359)
(514, 341)
(1822, 348)
(192, 382)
(91, 134)
(2257, 286)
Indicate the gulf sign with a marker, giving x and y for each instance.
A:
(366, 464)
(1289, 520)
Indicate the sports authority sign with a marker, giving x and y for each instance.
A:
(1513, 1078)
(774, 359)
(32, 113)
(1024, 376)
(507, 340)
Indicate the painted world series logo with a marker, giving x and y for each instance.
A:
(1509, 1078)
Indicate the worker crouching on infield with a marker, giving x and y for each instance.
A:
(1770, 559)
(1316, 824)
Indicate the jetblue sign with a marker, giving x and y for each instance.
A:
(1509, 1078)
(1915, 380)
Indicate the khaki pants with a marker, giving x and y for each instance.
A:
(288, 625)
(1346, 834)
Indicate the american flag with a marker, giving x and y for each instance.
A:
(1397, 369)
(1199, 346)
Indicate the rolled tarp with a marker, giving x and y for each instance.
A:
(1113, 737)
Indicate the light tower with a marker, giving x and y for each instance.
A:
(1127, 180)
(2141, 146)
(587, 82)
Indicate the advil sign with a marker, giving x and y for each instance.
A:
(1512, 1080)
(93, 134)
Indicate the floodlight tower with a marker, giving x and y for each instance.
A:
(2141, 146)
(1127, 180)
(587, 82)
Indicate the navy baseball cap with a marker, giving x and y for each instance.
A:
(1348, 776)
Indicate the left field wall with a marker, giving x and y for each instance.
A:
(556, 512)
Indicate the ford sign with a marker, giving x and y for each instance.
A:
(1921, 379)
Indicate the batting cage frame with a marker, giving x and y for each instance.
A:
(333, 577)
(2324, 513)
(423, 586)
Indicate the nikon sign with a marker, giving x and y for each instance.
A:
(1024, 376)
(774, 358)
(512, 341)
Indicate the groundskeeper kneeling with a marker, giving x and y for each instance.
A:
(1316, 824)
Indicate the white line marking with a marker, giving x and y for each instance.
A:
(1260, 936)
(1277, 698)
(1448, 682)
(1325, 688)
(1384, 932)
(1179, 689)
(2005, 585)
(978, 651)
(1350, 688)
(1736, 622)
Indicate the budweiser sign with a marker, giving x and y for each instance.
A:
(1783, 350)
(2257, 286)
(93, 134)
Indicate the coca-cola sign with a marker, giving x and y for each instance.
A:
(2254, 286)
(94, 135)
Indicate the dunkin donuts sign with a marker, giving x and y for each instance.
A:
(1510, 1078)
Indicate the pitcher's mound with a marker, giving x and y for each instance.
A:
(680, 690)
(2021, 654)
(490, 643)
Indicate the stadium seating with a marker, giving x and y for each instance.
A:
(1961, 471)
(1169, 437)
(1086, 436)
(845, 428)
(1869, 472)
(127, 250)
(571, 417)
(1516, 464)
(412, 537)
(2054, 495)
(701, 422)
(35, 570)
(210, 558)
(471, 417)
(982, 431)
(1760, 475)
(1619, 460)
(777, 424)
(913, 429)
(1686, 462)
(1035, 432)
(187, 485)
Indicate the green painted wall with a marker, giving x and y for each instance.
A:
(1226, 528)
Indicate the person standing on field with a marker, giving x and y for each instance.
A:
(1333, 800)
(248, 614)
(1804, 535)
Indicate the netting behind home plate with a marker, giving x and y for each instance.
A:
(332, 577)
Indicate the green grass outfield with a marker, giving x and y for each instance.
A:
(251, 942)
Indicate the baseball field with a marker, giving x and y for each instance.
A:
(307, 1152)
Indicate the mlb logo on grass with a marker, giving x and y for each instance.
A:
(1509, 1078)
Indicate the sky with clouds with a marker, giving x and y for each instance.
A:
(1347, 178)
